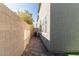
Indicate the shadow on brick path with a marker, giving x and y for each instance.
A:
(35, 48)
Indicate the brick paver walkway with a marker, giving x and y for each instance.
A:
(35, 48)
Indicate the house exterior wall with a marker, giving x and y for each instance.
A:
(65, 27)
(44, 20)
(62, 27)
(12, 37)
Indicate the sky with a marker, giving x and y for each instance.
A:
(31, 7)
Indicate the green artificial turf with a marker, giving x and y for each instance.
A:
(72, 53)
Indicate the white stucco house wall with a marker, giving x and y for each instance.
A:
(44, 22)
(62, 33)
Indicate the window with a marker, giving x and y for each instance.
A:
(44, 25)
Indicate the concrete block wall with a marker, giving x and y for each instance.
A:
(27, 33)
(11, 33)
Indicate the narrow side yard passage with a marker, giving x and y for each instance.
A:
(35, 48)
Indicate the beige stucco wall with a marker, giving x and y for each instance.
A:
(45, 12)
(13, 33)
